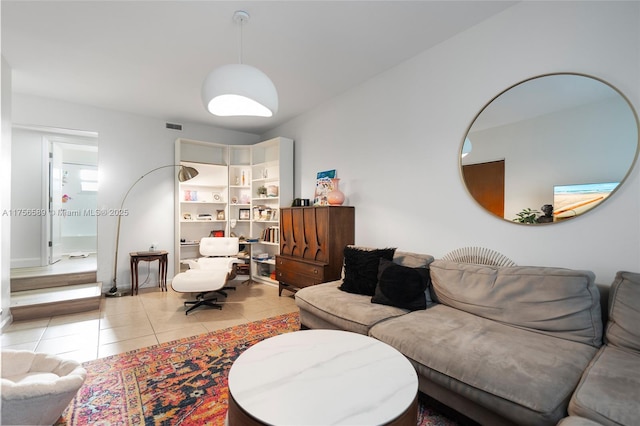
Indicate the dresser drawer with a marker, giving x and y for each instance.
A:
(298, 272)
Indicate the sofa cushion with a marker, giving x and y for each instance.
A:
(559, 302)
(361, 268)
(522, 375)
(412, 260)
(609, 391)
(344, 311)
(577, 421)
(402, 286)
(624, 312)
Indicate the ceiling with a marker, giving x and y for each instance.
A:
(150, 57)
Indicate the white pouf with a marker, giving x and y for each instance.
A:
(36, 388)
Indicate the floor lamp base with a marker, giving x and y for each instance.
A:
(116, 294)
(113, 292)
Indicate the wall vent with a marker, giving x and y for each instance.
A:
(173, 126)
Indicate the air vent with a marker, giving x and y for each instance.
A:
(174, 126)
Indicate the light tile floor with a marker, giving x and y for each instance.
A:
(132, 322)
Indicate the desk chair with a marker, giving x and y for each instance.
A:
(209, 273)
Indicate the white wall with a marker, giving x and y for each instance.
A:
(128, 147)
(5, 193)
(395, 140)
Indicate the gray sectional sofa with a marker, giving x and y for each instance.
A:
(609, 391)
(501, 345)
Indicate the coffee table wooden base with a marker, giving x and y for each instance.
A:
(236, 416)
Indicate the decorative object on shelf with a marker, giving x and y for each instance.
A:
(301, 202)
(219, 214)
(184, 174)
(324, 185)
(190, 195)
(244, 214)
(204, 216)
(234, 200)
(186, 216)
(547, 217)
(243, 181)
(262, 191)
(335, 197)
(216, 196)
(239, 89)
(263, 213)
(245, 199)
(272, 191)
(217, 233)
(527, 216)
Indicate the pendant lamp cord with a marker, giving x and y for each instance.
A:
(240, 54)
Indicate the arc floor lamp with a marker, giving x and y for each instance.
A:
(184, 174)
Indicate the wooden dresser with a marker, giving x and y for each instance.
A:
(312, 241)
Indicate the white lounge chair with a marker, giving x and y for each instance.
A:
(210, 273)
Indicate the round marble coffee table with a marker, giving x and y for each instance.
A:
(322, 377)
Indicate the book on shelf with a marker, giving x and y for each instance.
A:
(271, 234)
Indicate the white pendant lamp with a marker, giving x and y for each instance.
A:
(239, 89)
(466, 147)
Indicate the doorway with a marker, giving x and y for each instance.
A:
(72, 197)
(62, 183)
(485, 182)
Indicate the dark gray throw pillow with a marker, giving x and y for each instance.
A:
(402, 286)
(361, 269)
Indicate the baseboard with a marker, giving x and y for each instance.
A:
(27, 262)
(6, 322)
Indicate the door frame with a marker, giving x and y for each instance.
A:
(49, 136)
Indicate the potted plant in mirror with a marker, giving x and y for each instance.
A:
(527, 216)
(262, 191)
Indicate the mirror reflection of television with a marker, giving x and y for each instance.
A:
(572, 200)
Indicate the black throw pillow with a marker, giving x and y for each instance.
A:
(402, 286)
(361, 269)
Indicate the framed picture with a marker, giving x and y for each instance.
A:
(324, 185)
(217, 233)
(272, 191)
(244, 214)
(220, 215)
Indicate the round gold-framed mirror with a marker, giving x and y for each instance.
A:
(550, 148)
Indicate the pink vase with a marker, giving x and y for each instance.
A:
(335, 197)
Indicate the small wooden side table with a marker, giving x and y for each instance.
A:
(149, 256)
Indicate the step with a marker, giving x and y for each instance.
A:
(48, 302)
(19, 284)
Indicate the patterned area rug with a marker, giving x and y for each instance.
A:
(177, 383)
